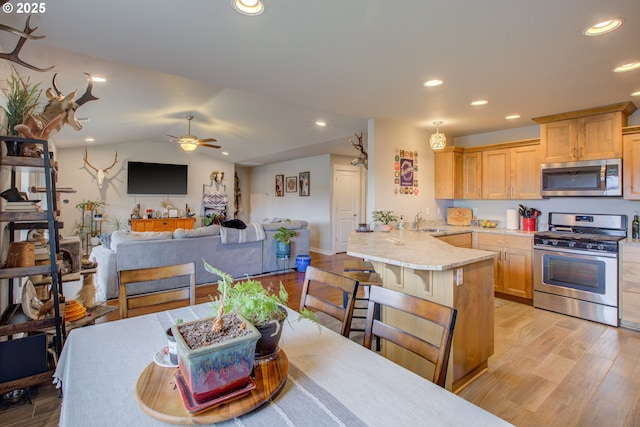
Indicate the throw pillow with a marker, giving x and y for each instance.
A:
(181, 233)
(234, 223)
(105, 240)
(289, 225)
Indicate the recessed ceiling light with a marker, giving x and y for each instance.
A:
(321, 123)
(225, 153)
(627, 67)
(479, 102)
(98, 79)
(512, 116)
(248, 7)
(433, 83)
(604, 27)
(89, 140)
(636, 93)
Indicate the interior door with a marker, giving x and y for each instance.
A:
(347, 193)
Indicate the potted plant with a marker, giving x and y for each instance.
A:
(22, 99)
(283, 238)
(90, 205)
(386, 218)
(216, 355)
(261, 306)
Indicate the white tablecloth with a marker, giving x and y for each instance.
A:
(344, 382)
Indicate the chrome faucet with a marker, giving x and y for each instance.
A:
(418, 220)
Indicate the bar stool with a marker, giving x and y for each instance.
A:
(365, 281)
(358, 265)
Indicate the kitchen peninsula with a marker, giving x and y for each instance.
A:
(419, 264)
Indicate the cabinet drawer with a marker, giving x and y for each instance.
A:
(630, 253)
(514, 242)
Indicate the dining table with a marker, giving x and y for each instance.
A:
(331, 380)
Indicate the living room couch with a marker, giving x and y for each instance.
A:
(135, 250)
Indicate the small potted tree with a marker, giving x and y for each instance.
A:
(283, 238)
(386, 218)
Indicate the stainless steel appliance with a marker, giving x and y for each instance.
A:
(575, 265)
(586, 178)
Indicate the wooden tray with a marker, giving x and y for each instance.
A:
(159, 396)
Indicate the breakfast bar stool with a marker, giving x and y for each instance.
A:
(365, 281)
(358, 265)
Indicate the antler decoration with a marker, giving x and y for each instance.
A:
(101, 174)
(24, 36)
(363, 158)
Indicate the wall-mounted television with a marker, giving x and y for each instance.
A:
(156, 178)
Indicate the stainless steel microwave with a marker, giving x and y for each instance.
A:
(586, 178)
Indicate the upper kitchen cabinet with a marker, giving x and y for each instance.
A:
(448, 173)
(472, 175)
(631, 163)
(590, 134)
(512, 173)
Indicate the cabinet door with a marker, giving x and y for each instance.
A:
(460, 240)
(496, 174)
(498, 265)
(472, 175)
(185, 223)
(525, 172)
(517, 273)
(630, 287)
(448, 175)
(600, 136)
(631, 166)
(558, 141)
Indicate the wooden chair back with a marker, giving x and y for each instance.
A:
(156, 273)
(322, 282)
(435, 352)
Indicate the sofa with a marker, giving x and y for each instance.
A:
(239, 253)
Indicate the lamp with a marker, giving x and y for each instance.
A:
(188, 145)
(437, 141)
(248, 7)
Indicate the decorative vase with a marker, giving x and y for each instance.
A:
(217, 369)
(13, 147)
(268, 342)
(283, 250)
(386, 228)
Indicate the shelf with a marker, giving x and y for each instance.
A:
(44, 377)
(35, 225)
(25, 162)
(14, 320)
(23, 216)
(10, 273)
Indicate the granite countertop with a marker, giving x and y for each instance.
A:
(415, 249)
(630, 242)
(451, 229)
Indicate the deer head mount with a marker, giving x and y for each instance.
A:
(60, 110)
(25, 35)
(101, 174)
(363, 158)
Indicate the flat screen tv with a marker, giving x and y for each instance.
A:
(156, 178)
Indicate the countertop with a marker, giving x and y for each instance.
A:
(414, 249)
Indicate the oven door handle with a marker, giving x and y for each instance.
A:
(548, 250)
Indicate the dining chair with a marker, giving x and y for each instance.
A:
(126, 277)
(435, 352)
(321, 288)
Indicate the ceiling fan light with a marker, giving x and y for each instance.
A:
(188, 146)
(248, 7)
(438, 140)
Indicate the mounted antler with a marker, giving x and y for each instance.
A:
(101, 174)
(86, 96)
(24, 36)
(363, 158)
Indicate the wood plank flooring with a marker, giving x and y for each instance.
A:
(547, 370)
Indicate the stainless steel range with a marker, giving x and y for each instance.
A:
(575, 265)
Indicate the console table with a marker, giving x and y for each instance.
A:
(161, 224)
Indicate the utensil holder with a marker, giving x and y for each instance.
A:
(529, 224)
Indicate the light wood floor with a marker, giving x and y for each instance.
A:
(547, 370)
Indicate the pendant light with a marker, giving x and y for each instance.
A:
(438, 141)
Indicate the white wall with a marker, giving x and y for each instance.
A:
(74, 173)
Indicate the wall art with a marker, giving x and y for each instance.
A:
(304, 183)
(279, 185)
(292, 184)
(405, 172)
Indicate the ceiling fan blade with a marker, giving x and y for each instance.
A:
(174, 137)
(202, 144)
(208, 140)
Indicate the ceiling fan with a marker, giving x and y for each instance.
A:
(190, 142)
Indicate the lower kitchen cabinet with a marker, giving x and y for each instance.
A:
(630, 286)
(513, 269)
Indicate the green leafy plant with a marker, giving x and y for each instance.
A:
(89, 205)
(284, 235)
(251, 300)
(118, 223)
(384, 217)
(22, 99)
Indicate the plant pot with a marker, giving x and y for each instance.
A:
(385, 228)
(13, 147)
(217, 369)
(283, 250)
(268, 342)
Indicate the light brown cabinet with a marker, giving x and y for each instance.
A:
(161, 224)
(630, 286)
(590, 134)
(448, 174)
(513, 274)
(511, 173)
(462, 240)
(631, 166)
(472, 175)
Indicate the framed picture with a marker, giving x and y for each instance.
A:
(279, 185)
(304, 183)
(292, 184)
